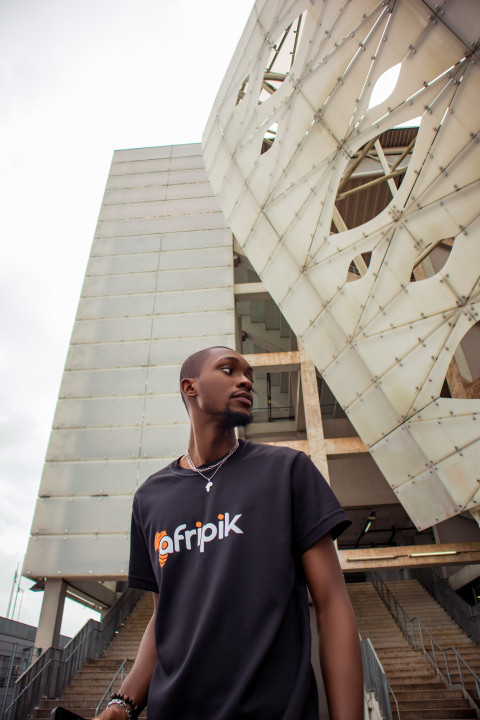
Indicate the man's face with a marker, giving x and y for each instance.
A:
(224, 387)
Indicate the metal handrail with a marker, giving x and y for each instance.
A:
(395, 698)
(407, 626)
(443, 652)
(393, 606)
(54, 669)
(375, 680)
(120, 671)
(458, 609)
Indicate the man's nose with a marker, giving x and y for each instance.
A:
(245, 382)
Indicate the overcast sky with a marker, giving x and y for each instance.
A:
(78, 80)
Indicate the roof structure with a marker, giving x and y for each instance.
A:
(296, 129)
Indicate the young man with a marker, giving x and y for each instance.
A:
(227, 538)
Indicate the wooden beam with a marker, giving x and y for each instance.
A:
(274, 362)
(344, 445)
(463, 553)
(302, 445)
(330, 446)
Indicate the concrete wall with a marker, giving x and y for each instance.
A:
(158, 286)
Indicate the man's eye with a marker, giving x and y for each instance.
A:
(227, 370)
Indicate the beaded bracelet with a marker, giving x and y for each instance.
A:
(119, 699)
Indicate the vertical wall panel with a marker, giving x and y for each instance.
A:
(158, 286)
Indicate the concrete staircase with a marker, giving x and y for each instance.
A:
(420, 693)
(417, 602)
(88, 686)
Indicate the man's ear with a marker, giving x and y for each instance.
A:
(189, 386)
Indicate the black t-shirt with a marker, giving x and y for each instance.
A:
(232, 628)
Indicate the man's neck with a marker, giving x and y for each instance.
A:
(207, 444)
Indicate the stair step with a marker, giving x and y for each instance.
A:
(420, 693)
(92, 680)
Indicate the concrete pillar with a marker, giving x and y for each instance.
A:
(313, 414)
(48, 632)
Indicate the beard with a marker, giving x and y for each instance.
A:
(237, 419)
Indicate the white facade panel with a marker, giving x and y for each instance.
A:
(170, 349)
(132, 210)
(174, 438)
(127, 245)
(188, 190)
(107, 355)
(186, 301)
(135, 195)
(193, 278)
(158, 287)
(82, 515)
(101, 383)
(157, 178)
(146, 225)
(162, 151)
(77, 556)
(189, 324)
(124, 284)
(128, 167)
(195, 258)
(119, 264)
(117, 306)
(98, 477)
(195, 205)
(156, 164)
(94, 443)
(178, 278)
(200, 239)
(156, 193)
(158, 208)
(164, 409)
(164, 378)
(135, 154)
(186, 150)
(99, 412)
(111, 330)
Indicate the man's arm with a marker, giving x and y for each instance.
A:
(340, 656)
(136, 684)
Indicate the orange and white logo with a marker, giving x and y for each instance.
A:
(199, 536)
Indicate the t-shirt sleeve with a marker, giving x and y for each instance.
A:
(140, 572)
(316, 510)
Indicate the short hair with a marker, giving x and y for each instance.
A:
(192, 366)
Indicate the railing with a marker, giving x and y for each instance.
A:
(453, 604)
(55, 668)
(375, 681)
(106, 694)
(20, 658)
(438, 657)
(272, 413)
(394, 607)
(420, 638)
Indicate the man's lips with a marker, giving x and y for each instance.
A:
(244, 397)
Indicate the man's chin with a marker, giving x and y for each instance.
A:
(237, 419)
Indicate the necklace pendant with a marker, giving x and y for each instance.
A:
(208, 486)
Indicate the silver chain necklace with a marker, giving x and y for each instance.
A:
(215, 466)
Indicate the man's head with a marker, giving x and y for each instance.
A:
(218, 382)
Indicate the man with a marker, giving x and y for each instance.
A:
(227, 538)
